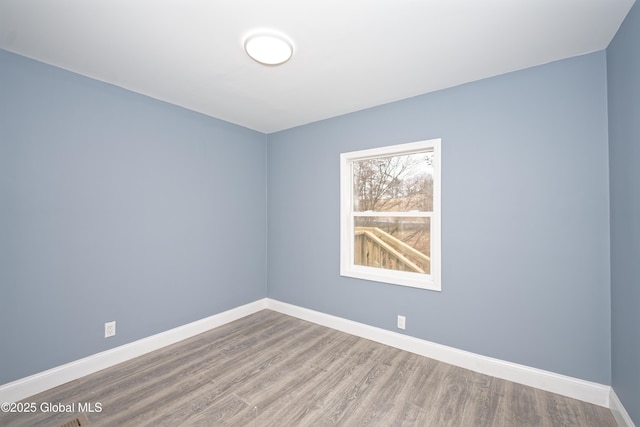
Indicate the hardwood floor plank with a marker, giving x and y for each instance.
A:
(268, 369)
(488, 395)
(384, 398)
(205, 377)
(294, 385)
(302, 395)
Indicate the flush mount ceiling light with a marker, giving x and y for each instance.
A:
(268, 48)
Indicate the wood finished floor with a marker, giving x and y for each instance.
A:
(269, 369)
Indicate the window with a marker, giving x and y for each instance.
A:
(390, 214)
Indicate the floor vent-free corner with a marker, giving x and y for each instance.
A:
(79, 420)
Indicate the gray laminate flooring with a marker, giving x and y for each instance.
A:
(268, 369)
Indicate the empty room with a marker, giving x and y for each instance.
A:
(418, 213)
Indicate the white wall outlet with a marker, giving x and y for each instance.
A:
(402, 322)
(109, 329)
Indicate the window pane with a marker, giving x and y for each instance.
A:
(393, 243)
(394, 184)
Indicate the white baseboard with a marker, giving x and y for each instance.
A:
(595, 393)
(586, 391)
(25, 387)
(619, 413)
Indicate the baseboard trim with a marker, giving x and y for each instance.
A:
(619, 412)
(586, 391)
(37, 383)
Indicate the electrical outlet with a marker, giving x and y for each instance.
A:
(109, 329)
(401, 322)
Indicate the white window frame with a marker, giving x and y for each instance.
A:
(347, 267)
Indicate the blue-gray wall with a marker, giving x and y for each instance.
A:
(114, 206)
(623, 59)
(117, 206)
(525, 217)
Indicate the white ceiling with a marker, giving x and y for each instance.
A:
(349, 54)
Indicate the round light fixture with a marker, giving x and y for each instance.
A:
(268, 48)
